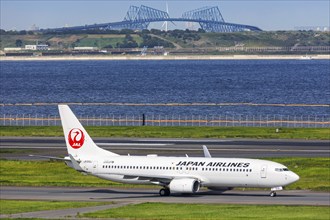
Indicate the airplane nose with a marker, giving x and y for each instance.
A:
(294, 177)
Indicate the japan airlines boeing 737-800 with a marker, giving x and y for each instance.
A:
(174, 174)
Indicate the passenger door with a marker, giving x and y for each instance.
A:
(263, 171)
(94, 167)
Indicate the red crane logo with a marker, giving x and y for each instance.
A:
(76, 138)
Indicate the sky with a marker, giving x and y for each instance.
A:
(265, 14)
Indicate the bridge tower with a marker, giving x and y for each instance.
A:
(139, 18)
(210, 19)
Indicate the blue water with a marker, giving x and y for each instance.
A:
(256, 81)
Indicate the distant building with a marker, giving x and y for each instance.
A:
(30, 47)
(85, 48)
(37, 47)
(313, 28)
(12, 49)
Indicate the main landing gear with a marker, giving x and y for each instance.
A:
(164, 192)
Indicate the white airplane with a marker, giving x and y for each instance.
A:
(174, 174)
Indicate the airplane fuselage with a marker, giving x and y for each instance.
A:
(211, 172)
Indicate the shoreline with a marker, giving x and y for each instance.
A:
(181, 57)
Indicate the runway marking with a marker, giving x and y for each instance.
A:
(180, 140)
(131, 144)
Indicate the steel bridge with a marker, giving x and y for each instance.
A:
(138, 18)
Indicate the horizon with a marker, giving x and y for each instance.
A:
(284, 15)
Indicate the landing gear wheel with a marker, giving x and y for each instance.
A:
(164, 192)
(272, 194)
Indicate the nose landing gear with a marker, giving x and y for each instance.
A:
(272, 194)
(274, 189)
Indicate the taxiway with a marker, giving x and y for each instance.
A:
(294, 197)
(21, 147)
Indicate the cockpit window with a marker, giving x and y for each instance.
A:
(281, 169)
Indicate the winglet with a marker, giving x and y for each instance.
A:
(206, 152)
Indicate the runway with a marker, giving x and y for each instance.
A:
(21, 147)
(296, 197)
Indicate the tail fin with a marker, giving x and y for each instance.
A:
(79, 144)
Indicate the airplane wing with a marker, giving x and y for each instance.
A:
(159, 179)
(153, 179)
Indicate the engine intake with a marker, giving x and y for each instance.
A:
(184, 186)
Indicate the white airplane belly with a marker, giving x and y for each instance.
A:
(120, 178)
(232, 180)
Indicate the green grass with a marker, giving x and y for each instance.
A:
(212, 211)
(104, 40)
(18, 206)
(173, 132)
(45, 173)
(314, 174)
(99, 42)
(14, 151)
(265, 39)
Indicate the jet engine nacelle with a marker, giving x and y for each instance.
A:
(184, 185)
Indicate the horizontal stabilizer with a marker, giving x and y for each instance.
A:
(52, 158)
(75, 164)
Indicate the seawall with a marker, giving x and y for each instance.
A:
(182, 57)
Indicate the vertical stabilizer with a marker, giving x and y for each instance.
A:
(78, 142)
